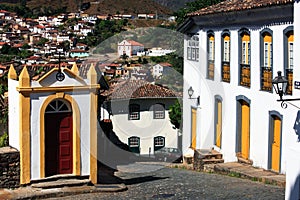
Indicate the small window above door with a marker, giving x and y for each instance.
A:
(58, 105)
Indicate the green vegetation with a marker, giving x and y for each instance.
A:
(175, 60)
(103, 30)
(24, 11)
(175, 114)
(4, 140)
(9, 53)
(193, 6)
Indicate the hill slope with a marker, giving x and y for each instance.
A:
(132, 7)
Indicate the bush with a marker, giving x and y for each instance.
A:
(4, 140)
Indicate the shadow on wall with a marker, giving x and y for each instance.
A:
(112, 152)
(295, 189)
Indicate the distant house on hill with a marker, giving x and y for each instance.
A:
(129, 47)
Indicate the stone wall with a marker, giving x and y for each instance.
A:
(9, 167)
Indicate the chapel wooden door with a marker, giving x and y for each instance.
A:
(58, 143)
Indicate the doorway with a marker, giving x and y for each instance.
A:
(58, 138)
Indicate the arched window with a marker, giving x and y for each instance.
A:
(211, 55)
(288, 48)
(225, 56)
(266, 59)
(193, 48)
(58, 105)
(159, 142)
(244, 58)
(134, 112)
(158, 111)
(134, 144)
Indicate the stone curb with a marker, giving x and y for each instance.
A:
(31, 193)
(250, 174)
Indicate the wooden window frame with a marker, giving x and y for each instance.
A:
(134, 112)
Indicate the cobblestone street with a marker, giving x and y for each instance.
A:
(173, 183)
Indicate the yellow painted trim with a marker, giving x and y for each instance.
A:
(291, 38)
(276, 144)
(246, 38)
(12, 74)
(92, 76)
(194, 128)
(93, 139)
(24, 129)
(75, 69)
(219, 124)
(245, 135)
(76, 132)
(227, 38)
(267, 38)
(56, 89)
(24, 79)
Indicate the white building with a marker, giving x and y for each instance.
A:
(53, 123)
(129, 47)
(159, 69)
(232, 51)
(139, 114)
(155, 52)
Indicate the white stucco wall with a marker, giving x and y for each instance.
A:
(83, 101)
(13, 116)
(261, 102)
(146, 127)
(292, 190)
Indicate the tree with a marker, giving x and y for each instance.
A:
(175, 114)
(193, 6)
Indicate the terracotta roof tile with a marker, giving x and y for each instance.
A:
(238, 5)
(134, 43)
(133, 89)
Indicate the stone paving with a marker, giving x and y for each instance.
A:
(175, 183)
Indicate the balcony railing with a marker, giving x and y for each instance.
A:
(266, 78)
(211, 69)
(245, 73)
(225, 71)
(289, 75)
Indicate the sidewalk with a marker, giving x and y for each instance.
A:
(62, 187)
(241, 170)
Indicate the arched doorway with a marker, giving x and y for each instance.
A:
(275, 130)
(58, 138)
(243, 127)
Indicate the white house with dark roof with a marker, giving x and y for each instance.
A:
(232, 51)
(139, 114)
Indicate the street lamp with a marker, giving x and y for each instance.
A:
(280, 85)
(191, 92)
(59, 76)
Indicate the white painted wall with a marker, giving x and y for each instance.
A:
(37, 99)
(13, 116)
(292, 189)
(261, 102)
(146, 128)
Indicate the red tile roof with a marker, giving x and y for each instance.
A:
(239, 5)
(165, 64)
(133, 89)
(134, 43)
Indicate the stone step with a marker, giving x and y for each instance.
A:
(61, 183)
(211, 161)
(244, 161)
(58, 177)
(208, 154)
